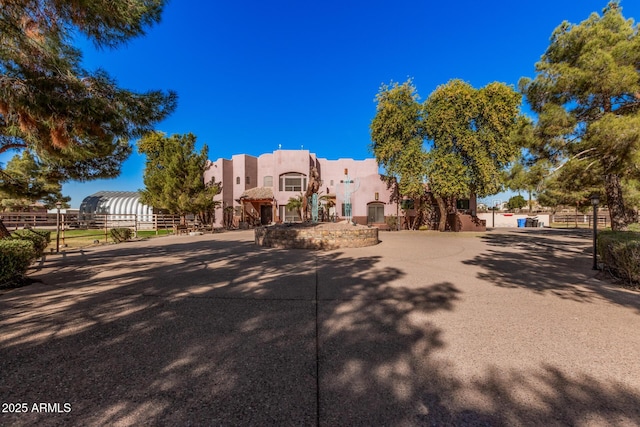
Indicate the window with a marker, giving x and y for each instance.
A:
(288, 215)
(293, 182)
(247, 180)
(268, 181)
(375, 214)
(462, 204)
(238, 180)
(406, 204)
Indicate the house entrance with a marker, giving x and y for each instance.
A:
(266, 214)
(375, 213)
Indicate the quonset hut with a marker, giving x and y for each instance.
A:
(115, 203)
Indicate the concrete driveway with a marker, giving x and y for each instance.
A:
(505, 328)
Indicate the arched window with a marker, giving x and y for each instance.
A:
(293, 181)
(238, 180)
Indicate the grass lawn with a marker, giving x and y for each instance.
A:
(74, 239)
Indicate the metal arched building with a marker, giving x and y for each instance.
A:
(115, 203)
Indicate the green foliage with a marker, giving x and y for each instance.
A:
(76, 121)
(25, 181)
(516, 202)
(174, 175)
(572, 185)
(620, 253)
(392, 222)
(295, 203)
(470, 132)
(447, 174)
(470, 129)
(586, 96)
(531, 178)
(15, 257)
(397, 134)
(120, 235)
(39, 238)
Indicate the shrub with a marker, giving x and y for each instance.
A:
(39, 238)
(120, 235)
(620, 252)
(15, 257)
(392, 222)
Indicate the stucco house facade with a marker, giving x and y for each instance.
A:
(257, 189)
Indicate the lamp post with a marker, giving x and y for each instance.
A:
(595, 200)
(58, 206)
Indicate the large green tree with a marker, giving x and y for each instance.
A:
(470, 132)
(516, 202)
(24, 181)
(174, 175)
(397, 135)
(586, 93)
(76, 121)
(50, 104)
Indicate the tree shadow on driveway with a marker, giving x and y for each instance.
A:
(556, 262)
(221, 332)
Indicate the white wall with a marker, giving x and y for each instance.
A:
(511, 220)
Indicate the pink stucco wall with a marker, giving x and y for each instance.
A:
(363, 172)
(222, 171)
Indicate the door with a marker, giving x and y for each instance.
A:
(376, 213)
(266, 214)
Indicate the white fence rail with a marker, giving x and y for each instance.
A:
(14, 220)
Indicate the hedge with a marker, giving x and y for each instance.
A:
(15, 257)
(620, 253)
(39, 238)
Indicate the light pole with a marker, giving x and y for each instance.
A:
(58, 206)
(496, 203)
(595, 200)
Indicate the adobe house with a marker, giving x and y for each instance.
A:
(259, 188)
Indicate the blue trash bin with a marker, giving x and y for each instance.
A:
(522, 222)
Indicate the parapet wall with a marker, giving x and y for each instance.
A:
(316, 237)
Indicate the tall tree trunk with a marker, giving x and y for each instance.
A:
(621, 216)
(442, 207)
(446, 205)
(4, 233)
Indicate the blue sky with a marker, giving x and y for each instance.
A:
(252, 75)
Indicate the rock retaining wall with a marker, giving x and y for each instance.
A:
(315, 237)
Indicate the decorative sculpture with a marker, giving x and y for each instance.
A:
(348, 191)
(312, 190)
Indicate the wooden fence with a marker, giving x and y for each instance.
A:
(15, 220)
(574, 220)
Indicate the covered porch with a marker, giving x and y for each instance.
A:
(258, 206)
